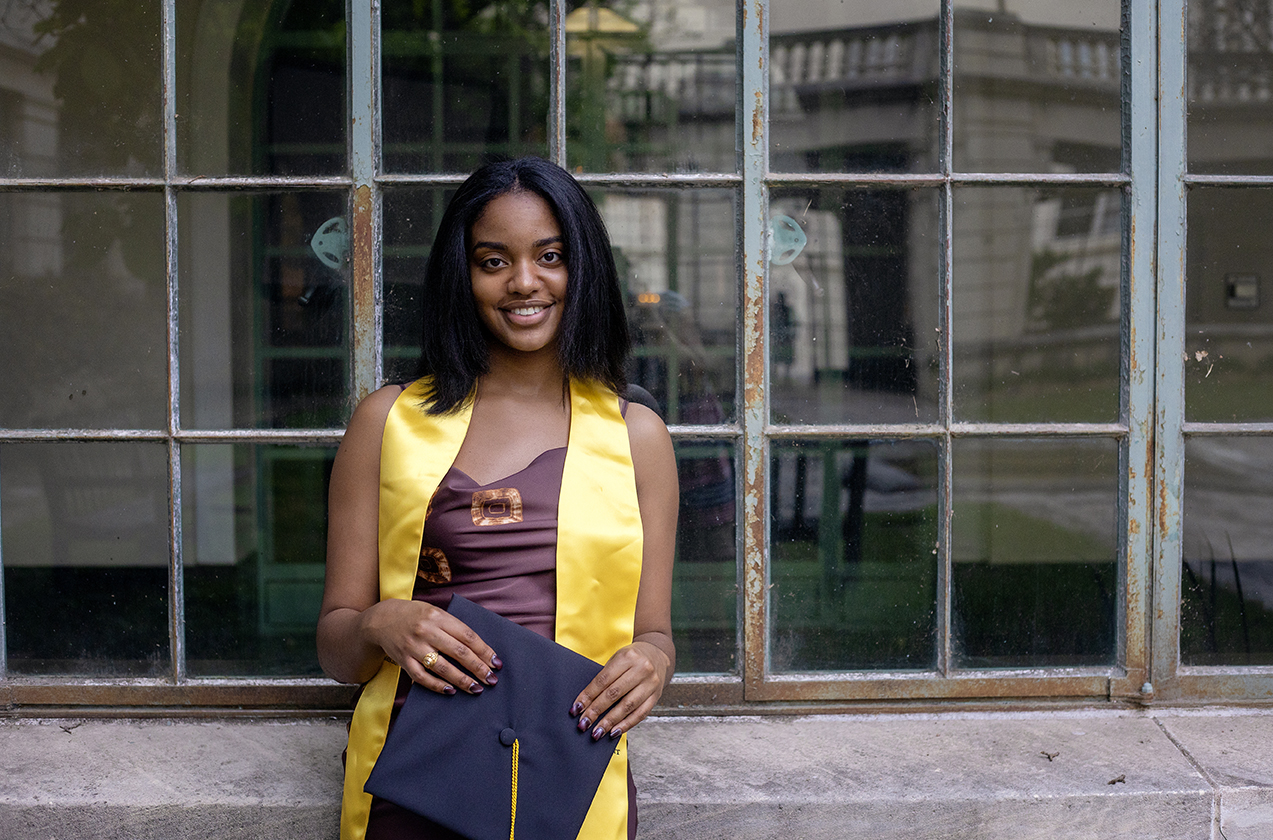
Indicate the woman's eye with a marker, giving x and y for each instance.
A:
(552, 258)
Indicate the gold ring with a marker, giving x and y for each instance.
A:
(430, 659)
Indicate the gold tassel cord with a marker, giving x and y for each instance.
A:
(512, 822)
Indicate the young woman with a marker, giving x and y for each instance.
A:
(512, 473)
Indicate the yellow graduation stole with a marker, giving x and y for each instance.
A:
(598, 565)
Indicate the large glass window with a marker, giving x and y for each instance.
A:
(956, 311)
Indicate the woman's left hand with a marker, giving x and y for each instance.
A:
(624, 692)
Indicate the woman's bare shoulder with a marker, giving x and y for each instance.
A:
(647, 435)
(368, 422)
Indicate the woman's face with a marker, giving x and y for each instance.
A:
(518, 270)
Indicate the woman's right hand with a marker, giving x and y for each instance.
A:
(409, 632)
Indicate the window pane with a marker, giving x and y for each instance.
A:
(1034, 573)
(853, 526)
(260, 88)
(83, 322)
(705, 586)
(463, 82)
(675, 254)
(854, 87)
(254, 530)
(84, 92)
(1037, 86)
(264, 298)
(85, 547)
(411, 217)
(853, 285)
(1230, 63)
(1228, 311)
(651, 87)
(1037, 304)
(1226, 588)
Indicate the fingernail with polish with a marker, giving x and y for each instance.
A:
(615, 733)
(597, 733)
(496, 662)
(491, 679)
(576, 709)
(475, 689)
(583, 724)
(448, 690)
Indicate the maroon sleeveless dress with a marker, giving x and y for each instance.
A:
(495, 544)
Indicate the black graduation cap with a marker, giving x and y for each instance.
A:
(457, 760)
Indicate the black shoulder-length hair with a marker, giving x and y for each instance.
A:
(594, 341)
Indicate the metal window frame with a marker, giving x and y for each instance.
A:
(1173, 680)
(1150, 431)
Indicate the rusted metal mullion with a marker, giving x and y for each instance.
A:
(80, 184)
(945, 347)
(557, 81)
(364, 122)
(1226, 429)
(720, 432)
(1038, 430)
(937, 685)
(259, 183)
(1170, 336)
(1136, 454)
(753, 144)
(415, 179)
(191, 692)
(656, 180)
(284, 436)
(1083, 179)
(906, 179)
(176, 571)
(34, 435)
(937, 430)
(1213, 684)
(1228, 180)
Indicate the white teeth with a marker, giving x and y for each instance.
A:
(528, 310)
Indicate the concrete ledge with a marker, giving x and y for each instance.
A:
(1160, 774)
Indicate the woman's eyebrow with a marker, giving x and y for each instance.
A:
(549, 241)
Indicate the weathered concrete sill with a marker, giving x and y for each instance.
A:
(1152, 774)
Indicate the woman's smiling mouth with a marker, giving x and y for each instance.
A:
(528, 310)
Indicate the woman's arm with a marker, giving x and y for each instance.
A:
(357, 630)
(632, 681)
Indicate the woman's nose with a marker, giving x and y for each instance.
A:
(524, 278)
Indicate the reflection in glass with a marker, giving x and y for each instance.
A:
(254, 530)
(1228, 306)
(705, 584)
(675, 254)
(1037, 86)
(81, 94)
(264, 299)
(1226, 587)
(854, 87)
(651, 86)
(85, 546)
(1037, 304)
(854, 560)
(853, 299)
(1230, 79)
(411, 217)
(260, 88)
(463, 82)
(1034, 573)
(83, 324)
